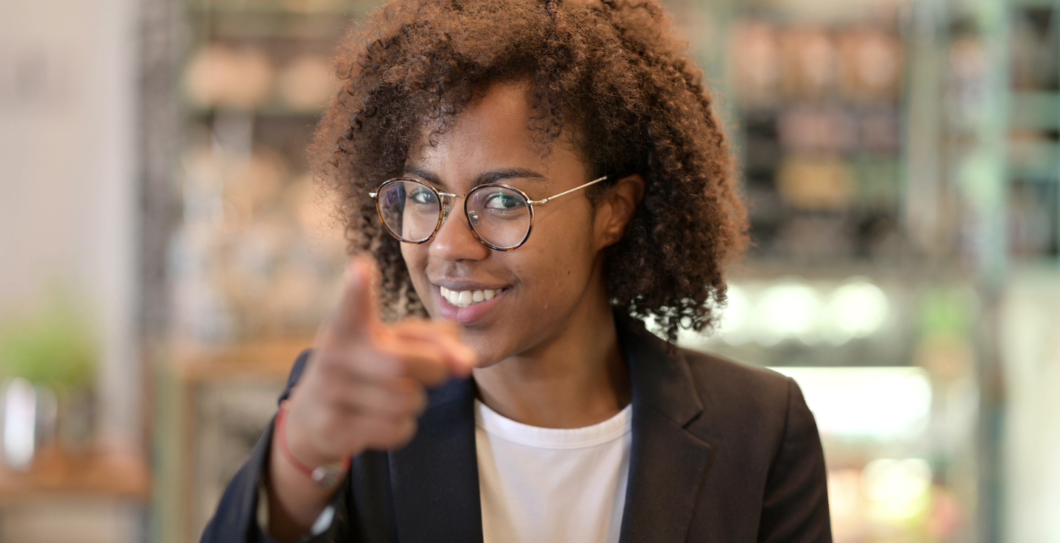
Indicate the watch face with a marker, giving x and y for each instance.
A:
(329, 475)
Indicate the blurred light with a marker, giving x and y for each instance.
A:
(880, 402)
(857, 309)
(20, 423)
(788, 309)
(735, 319)
(898, 490)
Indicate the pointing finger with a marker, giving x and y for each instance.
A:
(358, 311)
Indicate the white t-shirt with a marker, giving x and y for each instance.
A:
(552, 485)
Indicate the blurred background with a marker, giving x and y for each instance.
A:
(165, 256)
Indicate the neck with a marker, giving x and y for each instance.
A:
(577, 379)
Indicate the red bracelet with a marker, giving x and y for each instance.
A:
(324, 476)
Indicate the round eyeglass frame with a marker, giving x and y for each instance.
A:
(446, 201)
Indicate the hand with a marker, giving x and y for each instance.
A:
(364, 385)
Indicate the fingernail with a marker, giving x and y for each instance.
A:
(352, 271)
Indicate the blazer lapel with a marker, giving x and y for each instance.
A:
(435, 477)
(668, 464)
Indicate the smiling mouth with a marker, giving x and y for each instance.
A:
(467, 298)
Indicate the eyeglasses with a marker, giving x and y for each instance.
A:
(500, 216)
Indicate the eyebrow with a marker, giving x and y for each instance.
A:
(484, 178)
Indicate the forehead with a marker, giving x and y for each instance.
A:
(493, 131)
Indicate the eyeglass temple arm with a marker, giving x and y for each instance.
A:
(553, 197)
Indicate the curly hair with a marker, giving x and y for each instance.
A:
(608, 74)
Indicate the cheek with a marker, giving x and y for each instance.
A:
(561, 259)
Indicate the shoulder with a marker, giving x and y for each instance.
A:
(728, 395)
(724, 379)
(740, 398)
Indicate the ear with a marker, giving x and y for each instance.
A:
(616, 210)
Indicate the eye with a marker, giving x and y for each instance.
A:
(502, 200)
(423, 196)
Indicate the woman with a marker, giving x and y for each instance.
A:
(537, 177)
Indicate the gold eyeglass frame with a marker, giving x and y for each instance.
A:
(446, 200)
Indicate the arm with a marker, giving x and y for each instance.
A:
(795, 507)
(293, 506)
(362, 387)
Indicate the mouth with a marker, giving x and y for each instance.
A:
(468, 298)
(471, 305)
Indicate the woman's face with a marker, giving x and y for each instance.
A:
(540, 285)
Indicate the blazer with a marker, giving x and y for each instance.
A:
(721, 453)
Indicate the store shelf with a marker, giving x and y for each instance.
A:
(1035, 110)
(262, 360)
(1034, 161)
(91, 475)
(1039, 4)
(271, 22)
(266, 10)
(267, 110)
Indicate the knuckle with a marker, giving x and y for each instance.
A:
(403, 433)
(329, 394)
(418, 401)
(435, 374)
(391, 433)
(381, 363)
(404, 385)
(409, 430)
(332, 365)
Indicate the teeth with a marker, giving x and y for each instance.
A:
(465, 298)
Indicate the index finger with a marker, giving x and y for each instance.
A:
(357, 312)
(446, 337)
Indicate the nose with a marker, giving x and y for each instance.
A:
(455, 240)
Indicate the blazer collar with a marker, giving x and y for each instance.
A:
(435, 477)
(660, 379)
(668, 464)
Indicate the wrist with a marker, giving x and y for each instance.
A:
(323, 470)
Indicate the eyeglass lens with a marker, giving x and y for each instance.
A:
(410, 211)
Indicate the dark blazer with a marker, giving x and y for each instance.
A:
(722, 453)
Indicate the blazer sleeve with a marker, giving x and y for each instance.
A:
(236, 517)
(795, 508)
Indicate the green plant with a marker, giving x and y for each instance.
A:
(54, 346)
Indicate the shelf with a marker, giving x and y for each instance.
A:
(265, 110)
(272, 22)
(1035, 110)
(910, 272)
(243, 9)
(267, 11)
(1042, 265)
(1034, 161)
(268, 360)
(92, 475)
(1040, 4)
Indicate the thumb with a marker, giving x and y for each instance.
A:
(358, 309)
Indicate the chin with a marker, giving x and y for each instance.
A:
(490, 352)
